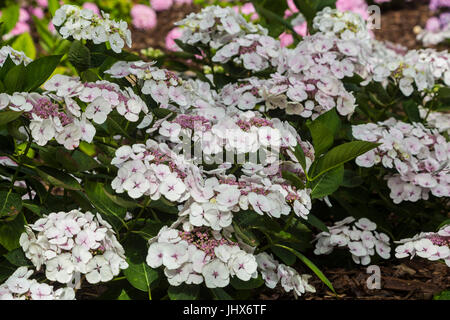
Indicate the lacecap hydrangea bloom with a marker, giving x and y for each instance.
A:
(359, 237)
(101, 97)
(428, 245)
(308, 82)
(216, 26)
(196, 255)
(17, 57)
(417, 156)
(51, 119)
(436, 120)
(19, 286)
(70, 243)
(72, 21)
(345, 25)
(200, 255)
(274, 272)
(156, 170)
(254, 52)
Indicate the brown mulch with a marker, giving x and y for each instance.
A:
(398, 26)
(417, 279)
(156, 37)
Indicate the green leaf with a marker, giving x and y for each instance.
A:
(53, 5)
(7, 65)
(294, 179)
(308, 9)
(38, 71)
(327, 183)
(183, 292)
(246, 285)
(79, 56)
(220, 294)
(444, 93)
(316, 222)
(10, 203)
(113, 213)
(10, 232)
(285, 256)
(8, 116)
(163, 205)
(25, 43)
(246, 235)
(123, 296)
(188, 48)
(444, 223)
(6, 270)
(15, 79)
(342, 154)
(44, 34)
(17, 257)
(351, 179)
(84, 162)
(300, 155)
(161, 113)
(412, 110)
(323, 129)
(444, 295)
(32, 207)
(310, 265)
(273, 18)
(119, 200)
(58, 178)
(10, 16)
(140, 275)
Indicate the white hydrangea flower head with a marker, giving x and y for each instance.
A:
(359, 237)
(434, 37)
(216, 26)
(308, 81)
(51, 118)
(274, 272)
(70, 243)
(19, 286)
(17, 57)
(345, 25)
(428, 245)
(418, 157)
(83, 24)
(101, 97)
(254, 52)
(200, 255)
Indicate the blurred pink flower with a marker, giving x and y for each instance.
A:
(247, 9)
(357, 6)
(20, 27)
(286, 39)
(302, 29)
(161, 5)
(173, 34)
(433, 24)
(51, 27)
(37, 12)
(42, 3)
(22, 24)
(292, 6)
(143, 17)
(92, 6)
(23, 15)
(183, 1)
